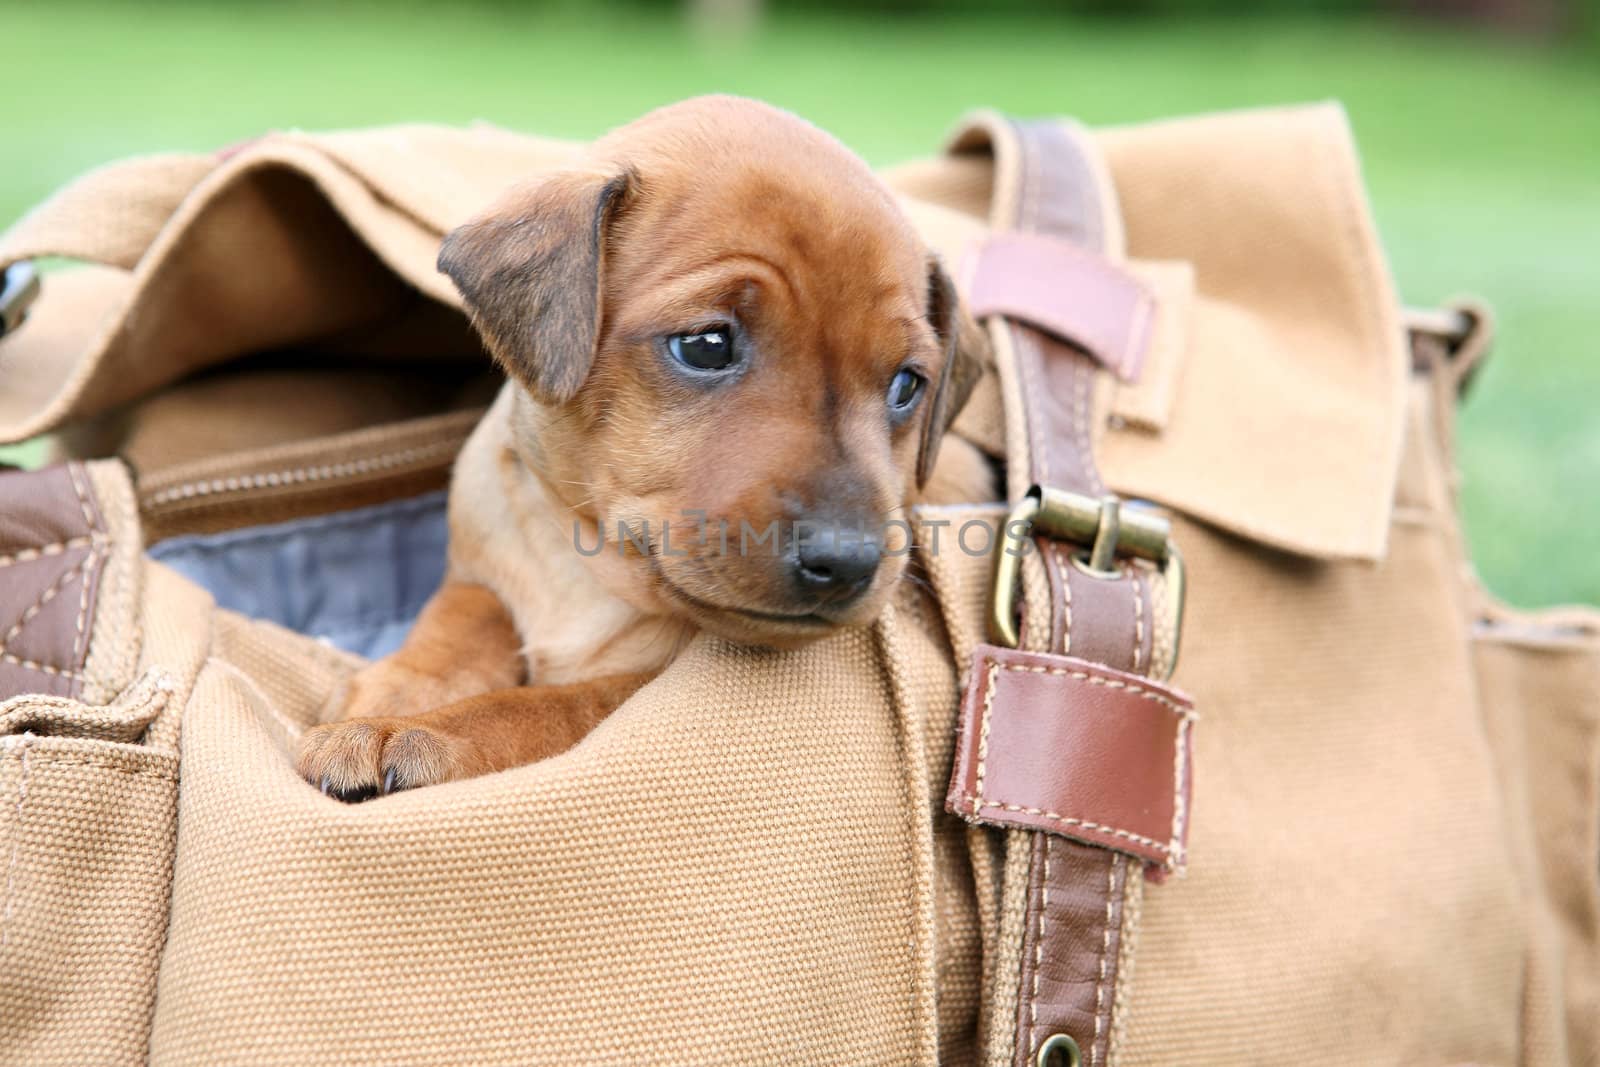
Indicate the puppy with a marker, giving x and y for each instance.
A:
(731, 361)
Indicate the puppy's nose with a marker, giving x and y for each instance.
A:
(835, 562)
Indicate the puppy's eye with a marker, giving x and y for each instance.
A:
(710, 350)
(904, 391)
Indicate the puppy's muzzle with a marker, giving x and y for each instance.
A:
(835, 563)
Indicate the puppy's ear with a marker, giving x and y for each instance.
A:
(962, 341)
(532, 271)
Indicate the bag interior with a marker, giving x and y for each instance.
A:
(355, 579)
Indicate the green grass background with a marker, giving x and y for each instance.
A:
(1482, 154)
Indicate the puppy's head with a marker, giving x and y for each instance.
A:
(739, 358)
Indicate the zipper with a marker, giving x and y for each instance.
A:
(300, 479)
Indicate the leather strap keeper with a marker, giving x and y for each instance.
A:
(1063, 746)
(1068, 292)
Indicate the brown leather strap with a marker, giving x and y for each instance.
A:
(1068, 741)
(1073, 946)
(52, 550)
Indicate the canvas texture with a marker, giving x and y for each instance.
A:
(1393, 850)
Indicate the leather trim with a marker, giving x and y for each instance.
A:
(53, 546)
(1057, 383)
(1059, 745)
(1072, 945)
(1095, 761)
(1065, 291)
(1114, 623)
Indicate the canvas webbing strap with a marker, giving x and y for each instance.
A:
(1065, 742)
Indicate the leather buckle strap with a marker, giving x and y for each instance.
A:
(1066, 741)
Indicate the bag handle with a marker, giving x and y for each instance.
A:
(1113, 795)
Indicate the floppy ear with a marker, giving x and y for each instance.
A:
(531, 271)
(962, 365)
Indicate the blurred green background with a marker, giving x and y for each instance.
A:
(1479, 124)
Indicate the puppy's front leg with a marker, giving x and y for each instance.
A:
(463, 643)
(361, 758)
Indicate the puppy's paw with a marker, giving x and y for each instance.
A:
(359, 759)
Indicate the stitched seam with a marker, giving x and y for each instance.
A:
(296, 476)
(1159, 626)
(1138, 620)
(1095, 679)
(1105, 952)
(43, 668)
(981, 803)
(54, 758)
(1066, 596)
(1031, 186)
(1127, 942)
(16, 847)
(1038, 947)
(83, 500)
(1022, 344)
(1028, 218)
(89, 563)
(1179, 769)
(993, 674)
(1080, 389)
(28, 555)
(45, 597)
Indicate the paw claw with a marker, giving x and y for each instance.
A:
(359, 759)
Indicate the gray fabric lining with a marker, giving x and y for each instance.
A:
(356, 579)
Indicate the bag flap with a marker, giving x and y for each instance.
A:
(1272, 398)
(1291, 407)
(288, 240)
(1271, 403)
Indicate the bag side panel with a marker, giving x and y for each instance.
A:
(88, 805)
(87, 827)
(1541, 707)
(1355, 847)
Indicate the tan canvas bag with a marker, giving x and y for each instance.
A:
(1378, 827)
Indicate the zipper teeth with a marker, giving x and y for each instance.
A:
(298, 475)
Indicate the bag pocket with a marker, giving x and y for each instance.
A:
(87, 828)
(733, 862)
(1538, 677)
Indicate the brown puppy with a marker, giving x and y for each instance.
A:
(731, 362)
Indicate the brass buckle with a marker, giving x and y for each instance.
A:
(19, 286)
(1105, 528)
